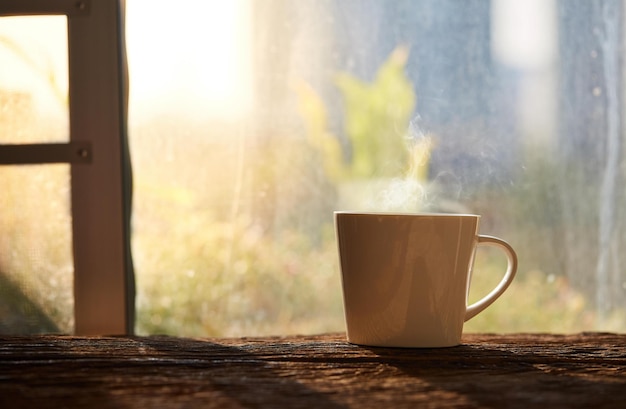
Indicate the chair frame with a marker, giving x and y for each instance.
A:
(99, 160)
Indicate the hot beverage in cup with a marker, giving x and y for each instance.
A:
(406, 277)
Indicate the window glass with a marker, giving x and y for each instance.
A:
(33, 79)
(36, 266)
(250, 122)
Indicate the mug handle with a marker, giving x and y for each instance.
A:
(474, 309)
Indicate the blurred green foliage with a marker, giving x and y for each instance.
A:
(536, 301)
(216, 278)
(376, 120)
(377, 116)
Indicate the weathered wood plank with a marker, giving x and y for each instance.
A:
(520, 370)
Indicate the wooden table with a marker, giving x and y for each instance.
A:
(490, 371)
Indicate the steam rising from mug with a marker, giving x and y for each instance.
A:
(414, 191)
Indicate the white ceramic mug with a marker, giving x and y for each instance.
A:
(406, 277)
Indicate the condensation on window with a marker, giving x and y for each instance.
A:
(250, 122)
(36, 268)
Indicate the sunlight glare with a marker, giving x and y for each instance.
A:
(524, 32)
(189, 57)
(33, 52)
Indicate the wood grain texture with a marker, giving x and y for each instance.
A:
(490, 371)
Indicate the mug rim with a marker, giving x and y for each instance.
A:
(416, 214)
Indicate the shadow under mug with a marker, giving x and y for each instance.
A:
(406, 277)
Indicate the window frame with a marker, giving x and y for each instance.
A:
(99, 160)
